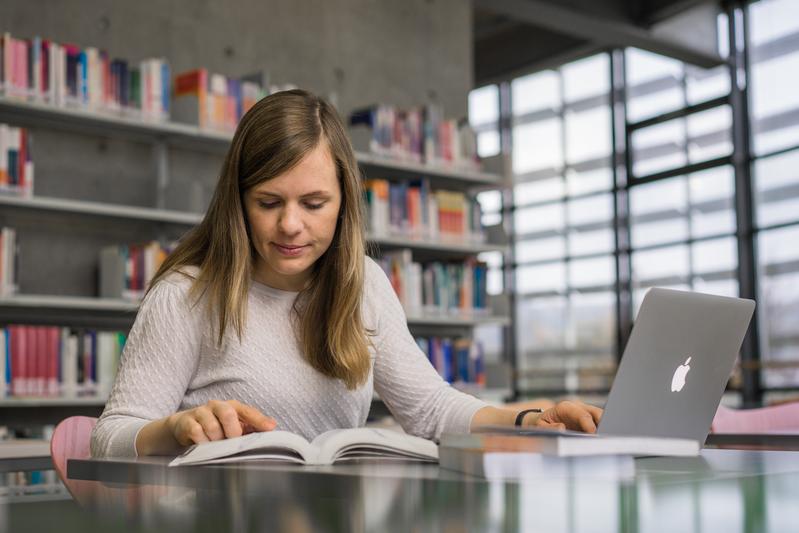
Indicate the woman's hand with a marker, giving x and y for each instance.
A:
(217, 420)
(573, 415)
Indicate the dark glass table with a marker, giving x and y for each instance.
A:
(722, 490)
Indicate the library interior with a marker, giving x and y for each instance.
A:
(432, 265)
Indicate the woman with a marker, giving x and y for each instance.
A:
(270, 314)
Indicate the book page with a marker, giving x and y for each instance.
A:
(359, 443)
(275, 445)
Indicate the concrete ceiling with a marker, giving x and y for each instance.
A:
(512, 37)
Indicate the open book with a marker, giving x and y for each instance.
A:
(328, 448)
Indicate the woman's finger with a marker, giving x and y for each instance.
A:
(190, 432)
(252, 417)
(209, 423)
(228, 418)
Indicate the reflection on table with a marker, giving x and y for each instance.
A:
(722, 490)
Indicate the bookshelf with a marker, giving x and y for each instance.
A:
(114, 314)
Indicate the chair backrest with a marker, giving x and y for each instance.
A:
(71, 440)
(783, 417)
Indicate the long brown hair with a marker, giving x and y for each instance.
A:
(272, 138)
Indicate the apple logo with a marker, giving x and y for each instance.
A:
(678, 381)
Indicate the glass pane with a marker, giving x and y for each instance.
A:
(771, 19)
(643, 66)
(724, 287)
(591, 242)
(712, 211)
(488, 143)
(659, 232)
(540, 249)
(777, 188)
(595, 272)
(494, 280)
(659, 148)
(663, 265)
(586, 77)
(534, 219)
(640, 107)
(703, 85)
(779, 302)
(659, 197)
(484, 105)
(594, 319)
(716, 256)
(490, 201)
(774, 93)
(541, 324)
(587, 134)
(541, 278)
(600, 179)
(590, 210)
(535, 91)
(537, 145)
(538, 191)
(709, 134)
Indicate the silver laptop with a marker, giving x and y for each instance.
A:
(676, 365)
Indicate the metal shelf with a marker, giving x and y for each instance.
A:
(408, 169)
(103, 123)
(466, 320)
(102, 209)
(96, 122)
(436, 246)
(52, 401)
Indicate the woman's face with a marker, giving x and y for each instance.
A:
(293, 218)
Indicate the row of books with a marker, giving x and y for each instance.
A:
(125, 270)
(215, 101)
(16, 161)
(8, 261)
(45, 361)
(420, 135)
(459, 360)
(437, 288)
(412, 209)
(67, 75)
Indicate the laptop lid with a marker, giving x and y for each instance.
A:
(676, 365)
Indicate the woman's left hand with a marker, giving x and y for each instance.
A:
(573, 415)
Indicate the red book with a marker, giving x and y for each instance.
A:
(45, 64)
(14, 334)
(53, 355)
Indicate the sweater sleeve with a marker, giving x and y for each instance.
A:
(159, 359)
(422, 402)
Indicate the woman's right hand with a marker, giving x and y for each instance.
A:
(217, 420)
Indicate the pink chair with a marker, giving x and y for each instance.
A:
(771, 419)
(70, 440)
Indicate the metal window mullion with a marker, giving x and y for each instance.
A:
(507, 204)
(737, 20)
(622, 170)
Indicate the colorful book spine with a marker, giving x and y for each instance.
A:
(214, 101)
(68, 75)
(413, 210)
(50, 361)
(16, 161)
(125, 271)
(9, 254)
(457, 360)
(437, 288)
(419, 135)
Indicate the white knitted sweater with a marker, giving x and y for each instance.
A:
(171, 362)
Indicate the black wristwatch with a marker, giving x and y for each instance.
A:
(521, 414)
